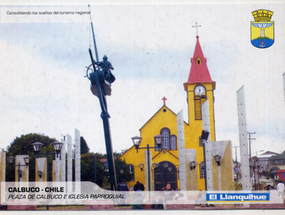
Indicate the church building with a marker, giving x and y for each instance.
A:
(164, 160)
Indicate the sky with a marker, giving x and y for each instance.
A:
(43, 62)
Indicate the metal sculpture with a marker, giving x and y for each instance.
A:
(100, 76)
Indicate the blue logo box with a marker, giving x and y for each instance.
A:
(237, 197)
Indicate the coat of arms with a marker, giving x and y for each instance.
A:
(262, 30)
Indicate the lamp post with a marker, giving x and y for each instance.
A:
(141, 166)
(40, 173)
(137, 141)
(20, 172)
(154, 166)
(37, 146)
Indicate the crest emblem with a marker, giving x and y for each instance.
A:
(262, 30)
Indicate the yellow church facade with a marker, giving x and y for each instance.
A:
(164, 160)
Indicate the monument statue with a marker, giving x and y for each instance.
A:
(106, 67)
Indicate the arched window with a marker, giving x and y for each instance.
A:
(198, 109)
(199, 99)
(165, 132)
(132, 171)
(202, 170)
(198, 61)
(173, 142)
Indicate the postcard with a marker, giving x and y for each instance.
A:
(169, 105)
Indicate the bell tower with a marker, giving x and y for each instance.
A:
(200, 87)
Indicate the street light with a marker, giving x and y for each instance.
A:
(155, 165)
(141, 165)
(38, 147)
(204, 137)
(218, 159)
(57, 147)
(192, 165)
(27, 161)
(137, 140)
(158, 140)
(40, 173)
(10, 159)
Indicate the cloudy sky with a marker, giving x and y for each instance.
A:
(43, 60)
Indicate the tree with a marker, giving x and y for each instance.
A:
(88, 169)
(116, 154)
(22, 146)
(122, 170)
(119, 165)
(123, 151)
(83, 146)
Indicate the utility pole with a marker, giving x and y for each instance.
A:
(250, 139)
(236, 152)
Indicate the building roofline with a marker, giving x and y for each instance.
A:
(164, 106)
(162, 151)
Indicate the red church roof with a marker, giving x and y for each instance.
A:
(199, 72)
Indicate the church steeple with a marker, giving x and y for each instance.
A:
(199, 72)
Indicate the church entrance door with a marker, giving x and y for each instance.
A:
(165, 173)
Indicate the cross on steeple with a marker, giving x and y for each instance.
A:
(164, 99)
(196, 28)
